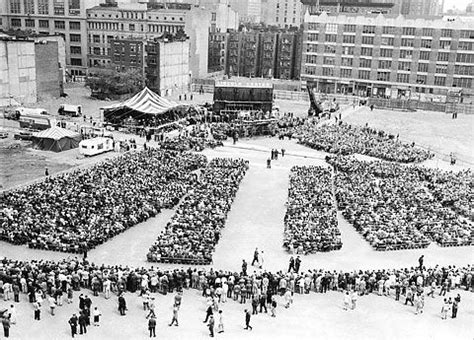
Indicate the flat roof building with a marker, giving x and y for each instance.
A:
(388, 56)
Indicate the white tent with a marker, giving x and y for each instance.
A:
(146, 101)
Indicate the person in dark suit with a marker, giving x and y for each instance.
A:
(122, 305)
(73, 323)
(6, 326)
(211, 326)
(247, 320)
(82, 324)
(152, 326)
(209, 313)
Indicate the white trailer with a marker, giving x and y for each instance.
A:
(95, 146)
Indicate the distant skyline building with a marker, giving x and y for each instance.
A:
(282, 13)
(348, 6)
(388, 55)
(419, 7)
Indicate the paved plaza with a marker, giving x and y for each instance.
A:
(256, 220)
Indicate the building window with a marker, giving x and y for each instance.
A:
(462, 82)
(385, 64)
(329, 49)
(440, 81)
(328, 60)
(407, 42)
(328, 71)
(29, 6)
(76, 62)
(367, 40)
(330, 37)
(59, 25)
(464, 45)
(311, 59)
(386, 53)
(365, 63)
(388, 30)
(312, 26)
(443, 56)
(75, 49)
(464, 34)
(363, 74)
(313, 37)
(348, 50)
(96, 50)
(424, 55)
(331, 28)
(427, 32)
(346, 73)
(74, 37)
(445, 45)
(349, 39)
(29, 23)
(368, 29)
(426, 43)
(421, 79)
(15, 6)
(349, 28)
(387, 41)
(346, 61)
(423, 67)
(408, 31)
(310, 70)
(74, 7)
(312, 48)
(383, 76)
(213, 16)
(464, 70)
(58, 6)
(446, 33)
(44, 23)
(75, 25)
(96, 38)
(404, 65)
(443, 69)
(131, 27)
(403, 78)
(406, 54)
(465, 58)
(16, 22)
(366, 51)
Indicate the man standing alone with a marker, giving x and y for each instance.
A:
(73, 324)
(247, 320)
(152, 326)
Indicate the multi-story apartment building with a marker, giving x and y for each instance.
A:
(271, 54)
(288, 56)
(347, 6)
(139, 21)
(282, 13)
(164, 62)
(217, 51)
(65, 17)
(386, 55)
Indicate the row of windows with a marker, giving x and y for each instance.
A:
(388, 53)
(58, 24)
(390, 30)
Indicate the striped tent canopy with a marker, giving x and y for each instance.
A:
(145, 101)
(56, 133)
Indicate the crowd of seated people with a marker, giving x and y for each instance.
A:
(78, 210)
(39, 279)
(194, 230)
(392, 206)
(452, 189)
(346, 139)
(310, 219)
(189, 143)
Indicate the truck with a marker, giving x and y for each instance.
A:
(96, 146)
